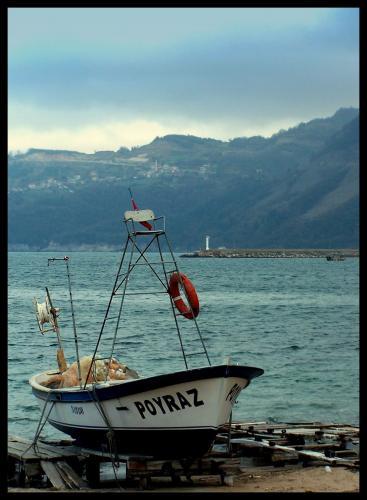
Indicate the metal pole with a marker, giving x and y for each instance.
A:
(107, 310)
(66, 259)
(129, 269)
(172, 305)
(229, 448)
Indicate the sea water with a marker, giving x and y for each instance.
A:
(296, 318)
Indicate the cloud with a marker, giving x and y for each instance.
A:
(106, 136)
(223, 71)
(112, 135)
(151, 27)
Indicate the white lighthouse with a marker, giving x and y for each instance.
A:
(207, 242)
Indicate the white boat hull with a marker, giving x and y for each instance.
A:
(173, 415)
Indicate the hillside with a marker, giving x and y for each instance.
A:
(298, 188)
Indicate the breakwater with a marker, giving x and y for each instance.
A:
(274, 253)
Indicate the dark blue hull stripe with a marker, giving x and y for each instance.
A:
(140, 429)
(151, 383)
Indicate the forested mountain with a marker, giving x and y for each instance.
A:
(298, 188)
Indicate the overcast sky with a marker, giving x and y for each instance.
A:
(90, 79)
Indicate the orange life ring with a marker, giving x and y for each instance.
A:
(175, 281)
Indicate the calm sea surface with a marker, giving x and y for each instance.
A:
(298, 319)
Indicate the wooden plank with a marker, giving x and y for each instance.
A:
(250, 423)
(308, 429)
(17, 446)
(53, 475)
(314, 455)
(67, 450)
(57, 442)
(283, 456)
(264, 426)
(60, 451)
(19, 439)
(249, 443)
(347, 453)
(320, 456)
(314, 446)
(107, 456)
(326, 433)
(18, 450)
(69, 483)
(307, 434)
(73, 476)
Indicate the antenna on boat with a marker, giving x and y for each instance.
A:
(66, 260)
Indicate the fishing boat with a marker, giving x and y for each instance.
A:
(105, 405)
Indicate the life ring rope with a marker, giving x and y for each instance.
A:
(180, 280)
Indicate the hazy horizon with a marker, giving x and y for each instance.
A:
(15, 152)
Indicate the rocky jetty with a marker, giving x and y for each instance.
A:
(275, 253)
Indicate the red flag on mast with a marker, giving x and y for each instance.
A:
(135, 207)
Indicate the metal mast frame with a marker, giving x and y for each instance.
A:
(119, 290)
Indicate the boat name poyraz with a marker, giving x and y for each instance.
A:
(154, 404)
(178, 402)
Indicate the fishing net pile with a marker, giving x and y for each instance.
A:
(101, 370)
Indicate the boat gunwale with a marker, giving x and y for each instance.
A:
(116, 389)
